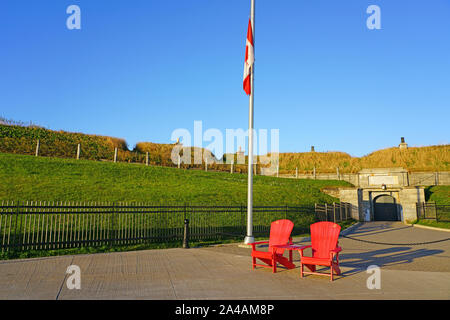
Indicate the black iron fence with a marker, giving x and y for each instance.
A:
(60, 225)
(432, 211)
(335, 212)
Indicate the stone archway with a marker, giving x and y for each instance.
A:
(385, 208)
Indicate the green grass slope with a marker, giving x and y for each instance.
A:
(22, 140)
(438, 194)
(51, 179)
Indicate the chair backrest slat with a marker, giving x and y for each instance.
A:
(324, 237)
(280, 231)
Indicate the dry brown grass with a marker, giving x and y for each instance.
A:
(306, 161)
(22, 140)
(116, 142)
(432, 158)
(160, 153)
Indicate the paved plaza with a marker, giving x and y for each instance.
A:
(224, 271)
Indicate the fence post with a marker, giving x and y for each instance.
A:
(78, 151)
(436, 212)
(179, 161)
(14, 245)
(146, 158)
(185, 215)
(348, 212)
(243, 218)
(345, 211)
(37, 148)
(314, 173)
(296, 173)
(338, 174)
(186, 234)
(113, 231)
(326, 211)
(315, 212)
(278, 170)
(206, 164)
(423, 210)
(115, 155)
(334, 212)
(232, 166)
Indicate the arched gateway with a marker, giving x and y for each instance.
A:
(385, 208)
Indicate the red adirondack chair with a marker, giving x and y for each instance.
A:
(280, 234)
(325, 249)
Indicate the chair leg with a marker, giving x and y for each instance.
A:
(253, 262)
(336, 268)
(331, 273)
(301, 270)
(274, 265)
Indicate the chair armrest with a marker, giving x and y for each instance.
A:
(300, 250)
(259, 242)
(337, 250)
(254, 244)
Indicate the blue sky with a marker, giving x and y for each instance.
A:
(140, 69)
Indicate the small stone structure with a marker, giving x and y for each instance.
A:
(403, 144)
(240, 156)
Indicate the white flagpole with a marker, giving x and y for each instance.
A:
(249, 238)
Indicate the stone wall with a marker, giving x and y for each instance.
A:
(409, 197)
(400, 178)
(429, 178)
(351, 195)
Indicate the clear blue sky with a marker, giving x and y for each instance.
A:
(138, 69)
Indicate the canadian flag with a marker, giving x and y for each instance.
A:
(249, 58)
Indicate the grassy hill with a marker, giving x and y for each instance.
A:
(21, 139)
(431, 158)
(52, 179)
(160, 153)
(438, 194)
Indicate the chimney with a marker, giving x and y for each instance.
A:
(403, 144)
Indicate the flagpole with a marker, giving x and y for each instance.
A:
(249, 238)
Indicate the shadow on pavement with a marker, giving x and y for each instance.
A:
(371, 228)
(383, 257)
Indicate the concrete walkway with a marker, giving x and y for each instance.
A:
(224, 272)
